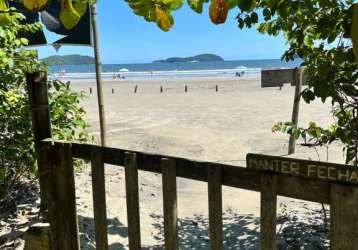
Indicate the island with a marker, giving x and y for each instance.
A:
(197, 58)
(68, 60)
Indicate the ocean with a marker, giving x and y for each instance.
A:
(170, 70)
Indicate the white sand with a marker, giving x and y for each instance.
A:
(202, 124)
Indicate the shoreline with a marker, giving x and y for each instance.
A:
(160, 75)
(174, 80)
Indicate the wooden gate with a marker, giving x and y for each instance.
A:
(342, 197)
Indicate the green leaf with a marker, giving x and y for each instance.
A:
(197, 5)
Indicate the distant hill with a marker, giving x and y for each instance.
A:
(68, 60)
(198, 58)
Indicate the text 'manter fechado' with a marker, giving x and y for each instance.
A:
(304, 168)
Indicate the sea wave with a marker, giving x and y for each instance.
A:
(165, 74)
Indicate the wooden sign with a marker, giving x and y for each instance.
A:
(303, 168)
(279, 77)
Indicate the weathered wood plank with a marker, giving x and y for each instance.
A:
(315, 190)
(41, 127)
(99, 199)
(132, 196)
(279, 77)
(62, 208)
(268, 238)
(170, 204)
(215, 208)
(303, 168)
(276, 77)
(344, 217)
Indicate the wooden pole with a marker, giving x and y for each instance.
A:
(102, 121)
(296, 107)
(268, 219)
(99, 199)
(132, 197)
(215, 208)
(41, 127)
(62, 208)
(170, 208)
(344, 217)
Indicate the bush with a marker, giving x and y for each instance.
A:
(17, 156)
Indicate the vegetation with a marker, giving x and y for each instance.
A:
(17, 158)
(317, 31)
(68, 60)
(198, 58)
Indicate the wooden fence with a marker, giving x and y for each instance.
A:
(343, 198)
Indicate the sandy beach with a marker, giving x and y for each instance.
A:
(205, 125)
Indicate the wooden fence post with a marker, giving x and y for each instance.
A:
(344, 217)
(268, 238)
(99, 199)
(132, 196)
(215, 208)
(170, 204)
(41, 127)
(62, 205)
(298, 78)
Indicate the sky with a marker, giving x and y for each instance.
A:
(128, 38)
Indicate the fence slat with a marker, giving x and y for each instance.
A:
(268, 219)
(62, 208)
(132, 196)
(344, 217)
(170, 204)
(215, 207)
(99, 199)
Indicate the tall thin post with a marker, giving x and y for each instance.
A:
(296, 107)
(102, 121)
(41, 126)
